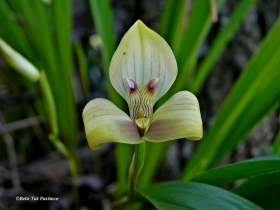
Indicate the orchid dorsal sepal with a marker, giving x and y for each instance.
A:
(142, 56)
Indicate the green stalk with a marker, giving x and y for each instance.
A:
(83, 68)
(58, 144)
(136, 166)
(71, 161)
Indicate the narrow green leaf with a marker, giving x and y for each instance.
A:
(192, 195)
(83, 68)
(276, 144)
(267, 198)
(35, 20)
(102, 18)
(245, 169)
(263, 190)
(257, 183)
(219, 44)
(11, 32)
(62, 23)
(246, 91)
(267, 101)
(196, 32)
(173, 21)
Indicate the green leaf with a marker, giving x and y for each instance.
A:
(276, 144)
(191, 195)
(11, 32)
(53, 51)
(267, 198)
(239, 112)
(173, 21)
(62, 23)
(83, 68)
(245, 169)
(103, 20)
(219, 44)
(257, 183)
(192, 38)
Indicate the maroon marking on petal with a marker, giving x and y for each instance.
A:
(132, 129)
(131, 85)
(159, 129)
(152, 85)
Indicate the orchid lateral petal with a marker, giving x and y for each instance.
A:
(179, 117)
(148, 93)
(135, 98)
(104, 122)
(142, 56)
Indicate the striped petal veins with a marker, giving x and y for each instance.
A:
(141, 103)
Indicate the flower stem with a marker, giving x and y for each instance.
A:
(136, 166)
(72, 164)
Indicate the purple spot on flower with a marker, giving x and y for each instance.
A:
(131, 85)
(152, 85)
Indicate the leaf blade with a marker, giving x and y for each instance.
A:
(192, 195)
(244, 169)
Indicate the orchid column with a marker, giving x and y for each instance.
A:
(142, 70)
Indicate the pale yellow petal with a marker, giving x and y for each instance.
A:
(178, 118)
(104, 122)
(142, 56)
